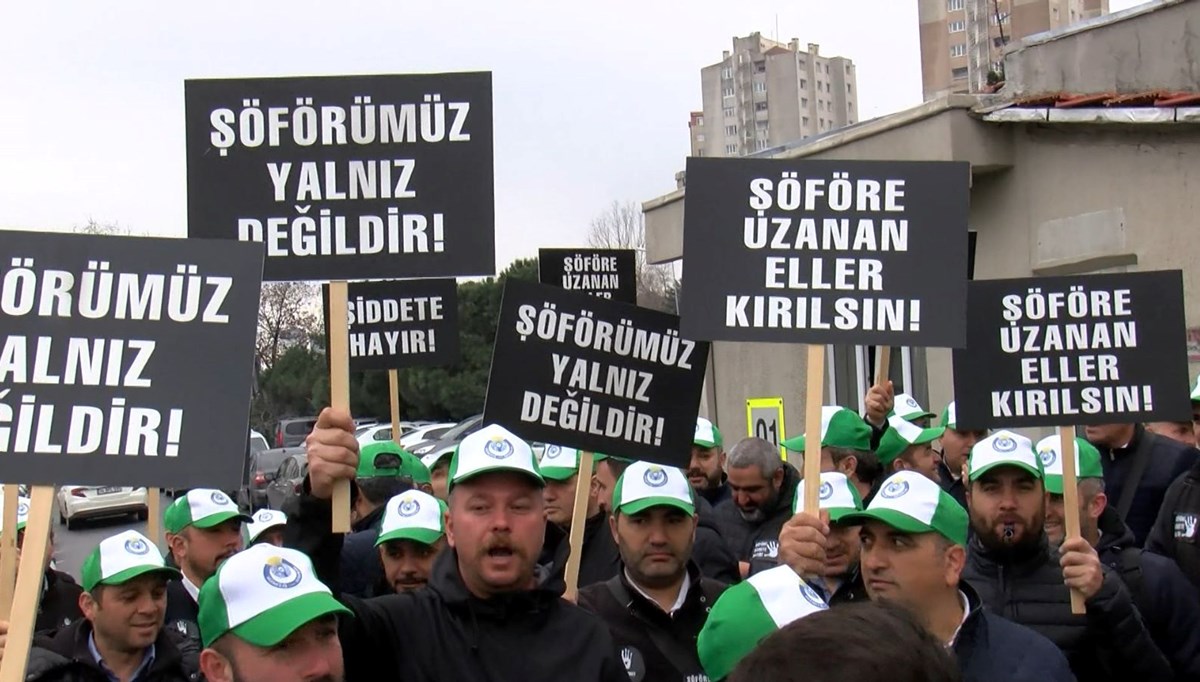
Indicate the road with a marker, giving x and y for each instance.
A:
(71, 547)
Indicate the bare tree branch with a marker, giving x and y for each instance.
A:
(623, 226)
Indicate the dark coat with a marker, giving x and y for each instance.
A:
(956, 487)
(66, 657)
(600, 560)
(1176, 532)
(851, 591)
(710, 552)
(757, 543)
(362, 569)
(719, 495)
(1169, 460)
(59, 606)
(991, 649)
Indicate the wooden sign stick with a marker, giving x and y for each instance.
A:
(1066, 436)
(154, 517)
(29, 584)
(883, 362)
(812, 429)
(394, 397)
(8, 550)
(583, 485)
(339, 388)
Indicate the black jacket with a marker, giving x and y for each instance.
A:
(1168, 461)
(719, 495)
(180, 605)
(757, 543)
(59, 606)
(851, 591)
(1169, 604)
(641, 629)
(956, 487)
(65, 657)
(1175, 534)
(362, 570)
(710, 552)
(991, 649)
(600, 560)
(1110, 642)
(443, 632)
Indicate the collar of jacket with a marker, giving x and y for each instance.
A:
(974, 621)
(1022, 561)
(946, 475)
(1115, 535)
(787, 493)
(644, 608)
(536, 603)
(371, 520)
(71, 642)
(715, 496)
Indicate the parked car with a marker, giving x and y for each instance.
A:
(365, 421)
(449, 439)
(291, 432)
(258, 442)
(252, 496)
(287, 481)
(78, 502)
(427, 432)
(375, 432)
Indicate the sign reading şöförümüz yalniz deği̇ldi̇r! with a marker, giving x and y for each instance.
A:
(126, 361)
(346, 177)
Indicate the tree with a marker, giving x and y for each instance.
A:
(623, 226)
(287, 315)
(92, 226)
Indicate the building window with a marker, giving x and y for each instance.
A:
(820, 103)
(850, 105)
(760, 106)
(760, 86)
(958, 26)
(760, 145)
(849, 89)
(800, 60)
(828, 87)
(805, 121)
(958, 50)
(762, 125)
(760, 67)
(731, 149)
(700, 137)
(804, 102)
(1003, 18)
(826, 67)
(728, 112)
(726, 73)
(699, 152)
(804, 83)
(830, 106)
(699, 120)
(960, 72)
(998, 41)
(954, 5)
(728, 92)
(821, 123)
(731, 131)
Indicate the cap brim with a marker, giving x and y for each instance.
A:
(891, 517)
(794, 444)
(974, 475)
(838, 514)
(500, 469)
(638, 506)
(275, 624)
(425, 536)
(259, 533)
(704, 443)
(1053, 483)
(913, 416)
(219, 518)
(929, 435)
(122, 577)
(557, 473)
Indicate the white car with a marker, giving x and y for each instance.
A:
(424, 433)
(77, 502)
(374, 433)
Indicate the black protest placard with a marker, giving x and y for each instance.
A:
(800, 251)
(1062, 351)
(607, 273)
(401, 323)
(588, 373)
(126, 361)
(346, 177)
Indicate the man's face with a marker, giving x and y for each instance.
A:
(438, 479)
(1007, 508)
(752, 492)
(706, 468)
(1109, 435)
(271, 536)
(842, 549)
(497, 524)
(907, 569)
(49, 548)
(201, 550)
(129, 616)
(408, 563)
(313, 653)
(1178, 431)
(956, 447)
(605, 483)
(922, 459)
(1091, 505)
(655, 544)
(559, 497)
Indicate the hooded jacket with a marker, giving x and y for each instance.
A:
(1169, 604)
(757, 542)
(1176, 532)
(1109, 642)
(992, 649)
(600, 559)
(66, 657)
(1168, 460)
(59, 606)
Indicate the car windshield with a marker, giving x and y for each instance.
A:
(257, 444)
(269, 460)
(462, 428)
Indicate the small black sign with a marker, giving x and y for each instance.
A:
(401, 323)
(1062, 351)
(587, 373)
(801, 251)
(346, 177)
(607, 273)
(126, 361)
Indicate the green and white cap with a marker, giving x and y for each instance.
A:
(840, 428)
(950, 416)
(645, 485)
(121, 558)
(262, 595)
(430, 461)
(748, 612)
(380, 459)
(1196, 390)
(911, 503)
(264, 520)
(838, 496)
(906, 407)
(1003, 448)
(901, 435)
(490, 449)
(707, 434)
(559, 463)
(1087, 462)
(202, 508)
(412, 515)
(22, 513)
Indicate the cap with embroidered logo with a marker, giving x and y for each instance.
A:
(707, 434)
(202, 508)
(1003, 448)
(121, 558)
(748, 612)
(262, 521)
(413, 515)
(262, 595)
(431, 461)
(491, 449)
(911, 503)
(906, 407)
(22, 513)
(838, 496)
(1087, 462)
(645, 485)
(559, 463)
(901, 435)
(840, 428)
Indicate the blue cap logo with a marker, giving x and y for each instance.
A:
(220, 498)
(913, 403)
(498, 448)
(1005, 444)
(811, 596)
(137, 546)
(281, 573)
(894, 489)
(264, 516)
(1049, 456)
(552, 452)
(655, 477)
(826, 490)
(22, 509)
(408, 507)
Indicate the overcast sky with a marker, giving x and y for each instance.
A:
(591, 99)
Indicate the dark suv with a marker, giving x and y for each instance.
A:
(290, 433)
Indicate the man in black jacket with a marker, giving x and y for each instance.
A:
(956, 443)
(121, 635)
(833, 571)
(485, 602)
(384, 471)
(1143, 462)
(1011, 566)
(706, 471)
(1166, 600)
(763, 486)
(848, 445)
(203, 528)
(1176, 532)
(658, 603)
(599, 559)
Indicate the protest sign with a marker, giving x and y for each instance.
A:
(346, 177)
(607, 273)
(125, 361)
(802, 251)
(401, 323)
(587, 373)
(1086, 349)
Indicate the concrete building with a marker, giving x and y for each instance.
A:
(763, 94)
(1103, 179)
(963, 41)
